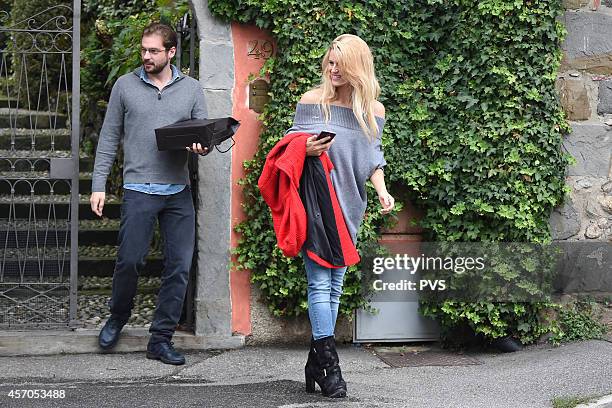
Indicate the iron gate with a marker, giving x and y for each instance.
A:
(39, 152)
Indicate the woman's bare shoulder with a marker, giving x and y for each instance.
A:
(312, 96)
(379, 109)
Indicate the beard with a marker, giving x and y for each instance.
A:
(155, 68)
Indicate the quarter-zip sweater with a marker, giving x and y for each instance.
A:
(135, 109)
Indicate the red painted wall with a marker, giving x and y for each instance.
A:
(247, 138)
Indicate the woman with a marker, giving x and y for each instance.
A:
(345, 103)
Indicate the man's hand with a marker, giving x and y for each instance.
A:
(197, 148)
(315, 147)
(97, 202)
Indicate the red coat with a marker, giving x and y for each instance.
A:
(329, 245)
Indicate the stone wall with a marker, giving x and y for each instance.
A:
(585, 90)
(268, 329)
(212, 297)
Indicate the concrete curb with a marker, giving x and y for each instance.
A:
(44, 342)
(603, 402)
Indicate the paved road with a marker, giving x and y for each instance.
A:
(175, 394)
(273, 377)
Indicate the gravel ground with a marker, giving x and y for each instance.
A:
(61, 224)
(93, 297)
(93, 310)
(52, 199)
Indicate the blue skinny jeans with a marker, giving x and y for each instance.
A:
(324, 290)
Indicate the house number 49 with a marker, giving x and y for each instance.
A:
(260, 49)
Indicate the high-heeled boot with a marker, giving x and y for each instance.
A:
(324, 369)
(312, 369)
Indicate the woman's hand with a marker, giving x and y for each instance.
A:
(315, 147)
(387, 201)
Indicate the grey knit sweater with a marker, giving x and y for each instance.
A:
(134, 110)
(355, 158)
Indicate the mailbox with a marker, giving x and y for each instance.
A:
(258, 95)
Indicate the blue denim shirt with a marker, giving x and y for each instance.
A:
(153, 188)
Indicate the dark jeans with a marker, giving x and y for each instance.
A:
(177, 225)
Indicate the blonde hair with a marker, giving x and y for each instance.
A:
(357, 66)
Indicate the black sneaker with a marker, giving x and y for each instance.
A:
(109, 335)
(165, 352)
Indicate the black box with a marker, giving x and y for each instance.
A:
(207, 132)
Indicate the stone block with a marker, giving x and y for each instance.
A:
(584, 267)
(591, 146)
(588, 34)
(574, 98)
(218, 102)
(605, 97)
(210, 28)
(564, 221)
(584, 184)
(606, 204)
(588, 44)
(593, 231)
(593, 208)
(214, 30)
(601, 64)
(216, 65)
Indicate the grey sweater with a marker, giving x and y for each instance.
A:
(355, 158)
(134, 110)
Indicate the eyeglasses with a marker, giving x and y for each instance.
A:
(152, 51)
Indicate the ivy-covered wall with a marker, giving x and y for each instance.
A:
(473, 129)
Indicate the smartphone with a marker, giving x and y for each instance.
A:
(324, 134)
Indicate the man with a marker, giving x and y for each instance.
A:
(156, 186)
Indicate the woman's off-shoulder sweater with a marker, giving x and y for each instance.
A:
(354, 157)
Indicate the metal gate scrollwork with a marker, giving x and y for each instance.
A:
(39, 198)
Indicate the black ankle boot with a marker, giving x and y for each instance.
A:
(313, 371)
(322, 367)
(342, 382)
